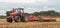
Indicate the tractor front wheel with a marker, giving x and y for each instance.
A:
(9, 19)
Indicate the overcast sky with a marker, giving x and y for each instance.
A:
(30, 6)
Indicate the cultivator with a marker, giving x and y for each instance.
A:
(40, 18)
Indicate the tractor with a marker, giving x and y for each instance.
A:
(17, 15)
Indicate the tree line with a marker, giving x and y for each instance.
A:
(42, 13)
(50, 13)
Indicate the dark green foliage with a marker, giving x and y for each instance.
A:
(50, 13)
(2, 17)
(8, 13)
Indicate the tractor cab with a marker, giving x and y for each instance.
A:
(17, 15)
(17, 12)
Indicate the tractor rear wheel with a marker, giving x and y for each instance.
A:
(42, 20)
(17, 19)
(9, 19)
(26, 19)
(22, 19)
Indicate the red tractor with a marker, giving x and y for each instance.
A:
(17, 15)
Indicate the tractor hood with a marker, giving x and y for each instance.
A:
(14, 14)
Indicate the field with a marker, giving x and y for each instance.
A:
(4, 24)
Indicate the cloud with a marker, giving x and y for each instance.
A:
(26, 3)
(32, 10)
(2, 12)
(18, 1)
(46, 8)
(30, 6)
(30, 1)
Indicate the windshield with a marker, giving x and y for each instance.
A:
(18, 10)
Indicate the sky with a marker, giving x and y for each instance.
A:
(29, 6)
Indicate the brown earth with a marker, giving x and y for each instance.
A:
(4, 24)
